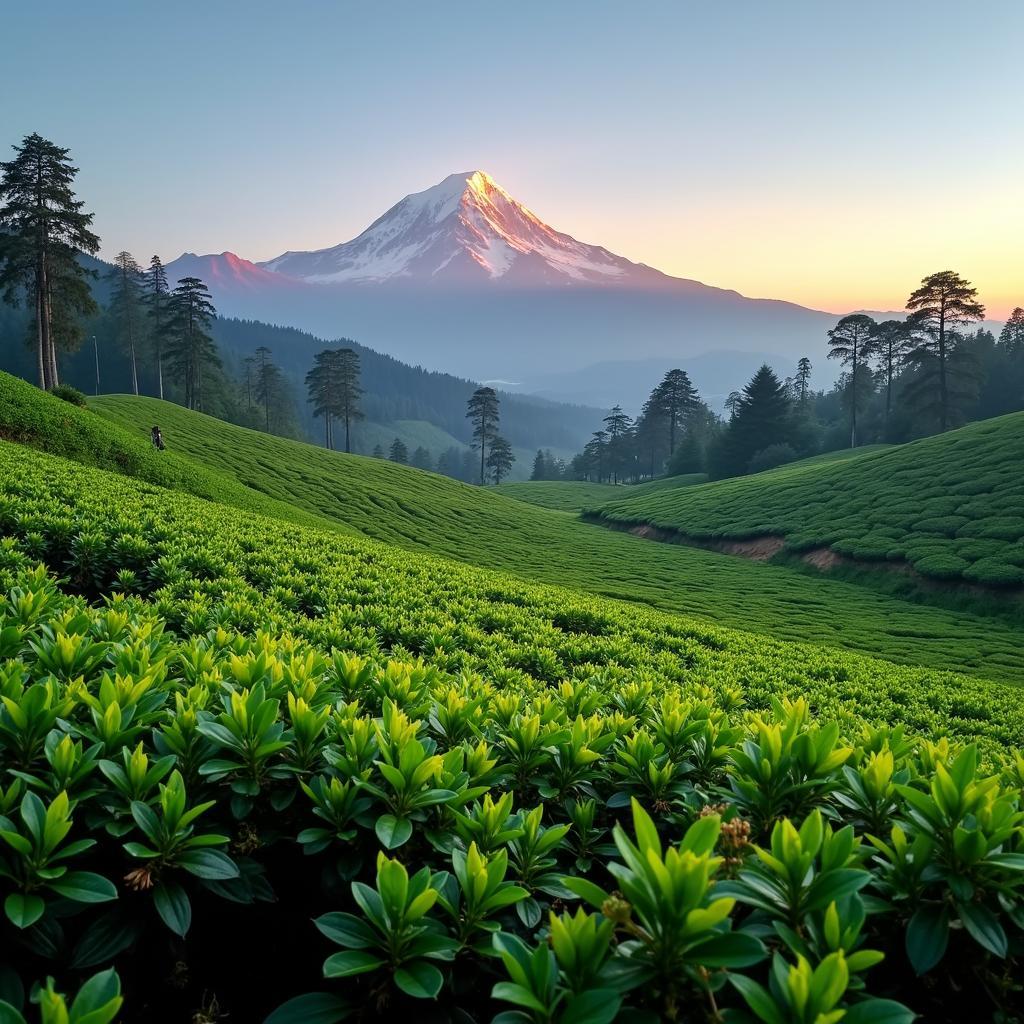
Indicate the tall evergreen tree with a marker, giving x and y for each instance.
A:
(674, 398)
(762, 419)
(126, 307)
(1012, 334)
(617, 428)
(270, 387)
(322, 386)
(42, 230)
(540, 467)
(421, 459)
(190, 349)
(398, 453)
(346, 364)
(802, 381)
(158, 314)
(500, 458)
(732, 403)
(850, 342)
(483, 410)
(944, 302)
(889, 342)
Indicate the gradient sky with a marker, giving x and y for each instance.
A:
(828, 153)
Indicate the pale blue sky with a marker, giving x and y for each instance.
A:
(831, 153)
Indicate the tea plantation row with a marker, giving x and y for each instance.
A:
(496, 800)
(425, 512)
(951, 506)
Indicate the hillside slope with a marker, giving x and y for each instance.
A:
(31, 417)
(951, 506)
(205, 562)
(429, 513)
(575, 495)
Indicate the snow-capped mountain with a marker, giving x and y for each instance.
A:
(465, 228)
(465, 278)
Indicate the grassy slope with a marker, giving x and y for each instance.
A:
(429, 513)
(32, 417)
(247, 572)
(952, 506)
(575, 495)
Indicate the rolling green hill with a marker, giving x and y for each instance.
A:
(291, 705)
(31, 417)
(950, 506)
(429, 513)
(575, 495)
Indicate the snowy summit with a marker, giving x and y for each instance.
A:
(466, 228)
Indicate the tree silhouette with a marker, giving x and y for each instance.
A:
(42, 230)
(943, 302)
(500, 459)
(398, 452)
(889, 342)
(126, 307)
(190, 348)
(482, 409)
(158, 313)
(1012, 334)
(850, 342)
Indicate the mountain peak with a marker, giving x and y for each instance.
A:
(464, 229)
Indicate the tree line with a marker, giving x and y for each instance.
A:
(900, 379)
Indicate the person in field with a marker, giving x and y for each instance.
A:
(157, 438)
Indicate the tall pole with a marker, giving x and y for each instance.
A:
(96, 353)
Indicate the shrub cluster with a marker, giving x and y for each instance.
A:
(494, 799)
(949, 505)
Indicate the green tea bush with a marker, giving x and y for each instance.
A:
(67, 393)
(965, 483)
(271, 772)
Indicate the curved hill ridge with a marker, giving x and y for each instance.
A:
(950, 506)
(427, 513)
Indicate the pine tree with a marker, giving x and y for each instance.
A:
(271, 389)
(675, 398)
(617, 425)
(126, 307)
(500, 458)
(732, 403)
(346, 366)
(378, 452)
(321, 386)
(943, 302)
(889, 342)
(398, 453)
(421, 459)
(42, 230)
(762, 419)
(482, 409)
(540, 467)
(803, 381)
(851, 342)
(158, 314)
(1012, 334)
(190, 349)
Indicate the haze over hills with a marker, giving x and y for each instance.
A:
(464, 277)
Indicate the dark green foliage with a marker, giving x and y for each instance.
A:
(770, 457)
(43, 229)
(67, 393)
(429, 514)
(398, 452)
(248, 717)
(482, 412)
(191, 353)
(762, 418)
(940, 495)
(945, 372)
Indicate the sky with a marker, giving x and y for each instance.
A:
(827, 153)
